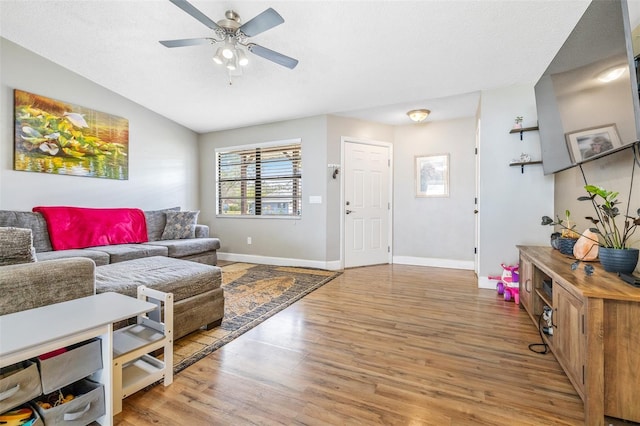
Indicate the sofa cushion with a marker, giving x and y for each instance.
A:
(32, 285)
(122, 252)
(156, 221)
(182, 278)
(180, 225)
(31, 220)
(187, 247)
(16, 246)
(98, 257)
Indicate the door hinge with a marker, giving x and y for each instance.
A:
(475, 200)
(389, 206)
(475, 151)
(475, 250)
(388, 162)
(388, 249)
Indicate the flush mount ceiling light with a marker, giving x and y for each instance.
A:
(611, 74)
(418, 115)
(234, 37)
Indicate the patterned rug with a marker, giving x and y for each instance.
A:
(252, 294)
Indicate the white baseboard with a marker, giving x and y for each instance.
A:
(434, 262)
(485, 282)
(279, 261)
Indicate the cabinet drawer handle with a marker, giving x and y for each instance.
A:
(9, 392)
(78, 414)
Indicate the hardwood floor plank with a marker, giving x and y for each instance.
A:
(387, 344)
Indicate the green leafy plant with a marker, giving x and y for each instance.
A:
(612, 233)
(519, 119)
(568, 227)
(607, 224)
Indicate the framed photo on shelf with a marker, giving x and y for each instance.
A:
(593, 142)
(432, 175)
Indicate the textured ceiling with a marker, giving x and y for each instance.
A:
(366, 59)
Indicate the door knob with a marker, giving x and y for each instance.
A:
(348, 211)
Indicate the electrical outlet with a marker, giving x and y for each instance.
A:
(248, 240)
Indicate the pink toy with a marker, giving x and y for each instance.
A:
(508, 283)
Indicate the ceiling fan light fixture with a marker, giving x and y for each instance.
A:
(231, 65)
(218, 58)
(229, 50)
(418, 115)
(243, 61)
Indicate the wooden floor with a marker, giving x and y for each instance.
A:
(390, 344)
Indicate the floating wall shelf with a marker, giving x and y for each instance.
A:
(524, 129)
(524, 164)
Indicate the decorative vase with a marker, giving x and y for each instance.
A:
(565, 245)
(554, 240)
(618, 260)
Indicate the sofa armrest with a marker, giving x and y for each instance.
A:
(202, 231)
(31, 285)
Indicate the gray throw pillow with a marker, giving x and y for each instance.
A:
(16, 246)
(156, 221)
(180, 225)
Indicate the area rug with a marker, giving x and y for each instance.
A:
(252, 294)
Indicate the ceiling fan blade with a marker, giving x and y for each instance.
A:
(191, 10)
(273, 56)
(261, 23)
(186, 42)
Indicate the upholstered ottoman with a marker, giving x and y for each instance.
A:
(198, 297)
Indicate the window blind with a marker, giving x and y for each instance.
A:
(260, 181)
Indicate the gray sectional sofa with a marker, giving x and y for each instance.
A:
(35, 275)
(200, 249)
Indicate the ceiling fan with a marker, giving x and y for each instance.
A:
(232, 35)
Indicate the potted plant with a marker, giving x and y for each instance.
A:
(518, 122)
(616, 253)
(568, 236)
(614, 238)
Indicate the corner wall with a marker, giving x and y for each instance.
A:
(511, 203)
(163, 168)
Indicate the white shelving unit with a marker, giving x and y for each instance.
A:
(133, 366)
(27, 334)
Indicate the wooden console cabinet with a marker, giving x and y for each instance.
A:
(596, 329)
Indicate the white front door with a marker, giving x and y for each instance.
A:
(366, 207)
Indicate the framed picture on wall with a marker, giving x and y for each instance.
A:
(593, 142)
(432, 175)
(58, 137)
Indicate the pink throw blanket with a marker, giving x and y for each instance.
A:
(77, 227)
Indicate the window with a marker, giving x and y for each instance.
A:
(261, 180)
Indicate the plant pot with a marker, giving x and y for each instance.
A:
(554, 240)
(618, 260)
(565, 245)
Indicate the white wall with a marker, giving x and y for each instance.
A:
(435, 231)
(274, 240)
(163, 167)
(511, 203)
(312, 240)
